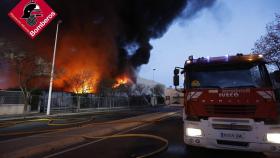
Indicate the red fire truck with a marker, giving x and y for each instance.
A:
(231, 102)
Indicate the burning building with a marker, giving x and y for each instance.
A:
(99, 40)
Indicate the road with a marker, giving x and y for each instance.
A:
(169, 128)
(28, 127)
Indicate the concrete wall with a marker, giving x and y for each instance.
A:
(9, 109)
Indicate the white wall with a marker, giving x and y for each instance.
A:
(9, 109)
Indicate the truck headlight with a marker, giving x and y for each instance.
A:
(193, 132)
(273, 137)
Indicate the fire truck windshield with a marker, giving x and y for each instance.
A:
(226, 77)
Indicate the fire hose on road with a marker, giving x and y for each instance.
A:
(160, 149)
(50, 122)
(93, 139)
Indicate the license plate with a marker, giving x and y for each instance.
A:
(235, 136)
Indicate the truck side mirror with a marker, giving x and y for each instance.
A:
(276, 75)
(176, 72)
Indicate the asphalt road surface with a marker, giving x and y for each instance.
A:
(170, 128)
(28, 128)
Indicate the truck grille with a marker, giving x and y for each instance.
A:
(232, 127)
(231, 109)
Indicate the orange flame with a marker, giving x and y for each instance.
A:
(122, 81)
(81, 66)
(84, 89)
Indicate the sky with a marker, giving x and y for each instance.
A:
(229, 27)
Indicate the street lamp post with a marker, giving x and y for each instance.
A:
(154, 74)
(153, 93)
(52, 70)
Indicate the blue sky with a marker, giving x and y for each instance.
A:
(229, 27)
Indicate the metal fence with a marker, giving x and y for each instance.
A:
(66, 102)
(11, 100)
(19, 100)
(11, 97)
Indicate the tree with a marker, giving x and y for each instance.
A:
(269, 44)
(82, 82)
(2, 45)
(30, 71)
(158, 90)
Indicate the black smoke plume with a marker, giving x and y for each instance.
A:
(123, 28)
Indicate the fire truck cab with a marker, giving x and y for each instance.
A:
(231, 102)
